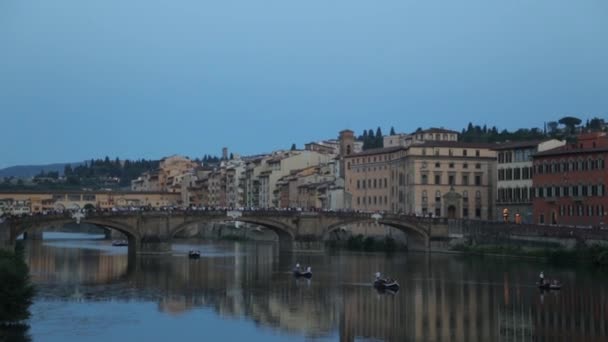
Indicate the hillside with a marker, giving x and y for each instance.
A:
(28, 171)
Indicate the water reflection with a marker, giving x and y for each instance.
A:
(442, 297)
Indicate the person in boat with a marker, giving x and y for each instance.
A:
(377, 275)
(541, 277)
(308, 270)
(297, 267)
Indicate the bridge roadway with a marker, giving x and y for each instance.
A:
(152, 232)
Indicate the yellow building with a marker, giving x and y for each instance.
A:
(41, 201)
(442, 178)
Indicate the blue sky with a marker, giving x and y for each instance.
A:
(82, 79)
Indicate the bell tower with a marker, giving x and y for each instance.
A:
(347, 142)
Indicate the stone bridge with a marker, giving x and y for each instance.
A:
(150, 232)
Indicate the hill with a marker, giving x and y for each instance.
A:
(28, 171)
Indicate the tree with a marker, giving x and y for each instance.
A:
(293, 147)
(67, 170)
(552, 127)
(392, 131)
(17, 291)
(570, 122)
(231, 156)
(596, 124)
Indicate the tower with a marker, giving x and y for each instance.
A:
(347, 140)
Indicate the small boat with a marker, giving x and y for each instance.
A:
(194, 254)
(120, 243)
(550, 286)
(297, 272)
(385, 283)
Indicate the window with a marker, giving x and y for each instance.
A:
(478, 180)
(465, 179)
(451, 179)
(437, 196)
(465, 166)
(358, 184)
(501, 174)
(424, 179)
(465, 212)
(386, 182)
(478, 212)
(374, 183)
(451, 165)
(516, 173)
(437, 165)
(477, 153)
(478, 166)
(464, 153)
(437, 179)
(424, 196)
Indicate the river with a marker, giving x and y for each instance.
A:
(90, 290)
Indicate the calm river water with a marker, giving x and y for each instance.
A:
(90, 291)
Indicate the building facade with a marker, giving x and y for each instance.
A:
(570, 183)
(514, 172)
(441, 178)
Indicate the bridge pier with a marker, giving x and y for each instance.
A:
(34, 234)
(5, 238)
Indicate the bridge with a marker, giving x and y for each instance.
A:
(153, 232)
(150, 232)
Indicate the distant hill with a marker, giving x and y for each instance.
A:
(28, 171)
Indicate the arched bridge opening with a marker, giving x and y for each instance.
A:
(402, 232)
(35, 229)
(284, 233)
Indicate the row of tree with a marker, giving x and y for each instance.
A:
(98, 171)
(371, 140)
(564, 128)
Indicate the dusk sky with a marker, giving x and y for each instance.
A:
(147, 79)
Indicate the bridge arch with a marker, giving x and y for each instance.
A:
(285, 233)
(130, 232)
(401, 225)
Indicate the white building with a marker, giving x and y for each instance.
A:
(514, 176)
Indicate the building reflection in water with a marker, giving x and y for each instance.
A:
(442, 298)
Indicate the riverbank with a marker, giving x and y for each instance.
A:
(595, 254)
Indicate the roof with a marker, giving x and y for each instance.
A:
(376, 151)
(563, 150)
(458, 144)
(518, 144)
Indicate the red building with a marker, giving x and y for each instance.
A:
(570, 182)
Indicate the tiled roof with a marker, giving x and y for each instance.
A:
(376, 151)
(518, 144)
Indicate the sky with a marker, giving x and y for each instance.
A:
(147, 79)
